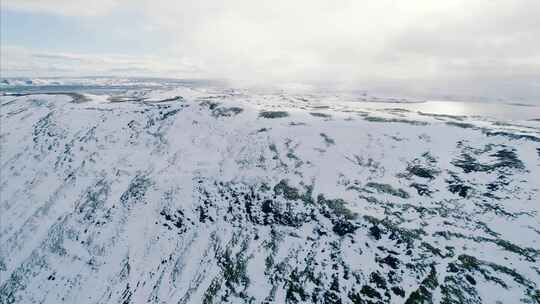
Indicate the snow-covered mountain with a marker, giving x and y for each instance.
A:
(221, 196)
(81, 81)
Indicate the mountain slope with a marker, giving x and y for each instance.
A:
(190, 196)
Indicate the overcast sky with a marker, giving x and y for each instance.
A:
(487, 48)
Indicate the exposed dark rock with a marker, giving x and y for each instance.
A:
(226, 112)
(388, 189)
(318, 114)
(273, 114)
(391, 261)
(342, 227)
(327, 139)
(422, 189)
(396, 120)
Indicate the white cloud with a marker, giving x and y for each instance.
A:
(19, 61)
(418, 46)
(64, 7)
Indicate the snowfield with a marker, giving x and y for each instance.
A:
(208, 195)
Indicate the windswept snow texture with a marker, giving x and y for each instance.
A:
(222, 196)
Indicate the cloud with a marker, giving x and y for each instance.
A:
(20, 61)
(418, 47)
(64, 7)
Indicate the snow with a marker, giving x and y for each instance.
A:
(158, 198)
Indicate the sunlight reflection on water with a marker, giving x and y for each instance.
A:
(457, 108)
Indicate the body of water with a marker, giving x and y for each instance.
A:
(499, 111)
